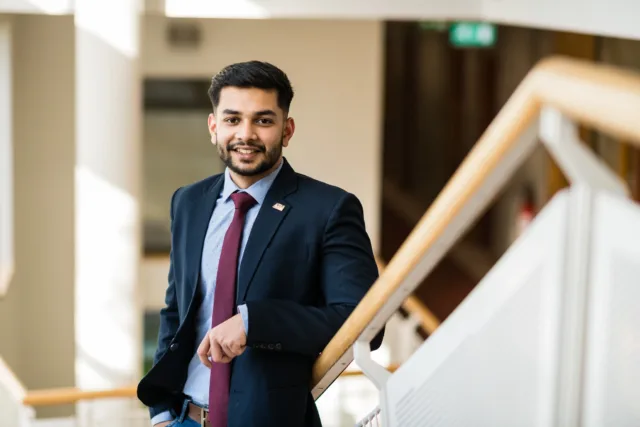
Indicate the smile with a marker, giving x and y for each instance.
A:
(245, 151)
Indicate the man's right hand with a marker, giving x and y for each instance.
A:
(163, 424)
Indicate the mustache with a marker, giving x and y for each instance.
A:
(236, 145)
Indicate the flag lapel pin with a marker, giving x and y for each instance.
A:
(278, 207)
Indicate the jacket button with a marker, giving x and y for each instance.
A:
(270, 346)
(174, 346)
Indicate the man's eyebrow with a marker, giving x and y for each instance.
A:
(260, 113)
(265, 113)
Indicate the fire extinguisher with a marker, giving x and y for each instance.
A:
(526, 211)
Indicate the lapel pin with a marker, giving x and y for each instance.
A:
(279, 207)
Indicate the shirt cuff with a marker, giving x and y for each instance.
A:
(161, 417)
(244, 312)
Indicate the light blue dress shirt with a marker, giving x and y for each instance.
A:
(197, 384)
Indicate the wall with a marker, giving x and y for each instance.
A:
(154, 271)
(177, 151)
(336, 70)
(42, 292)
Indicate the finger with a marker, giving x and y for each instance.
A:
(237, 348)
(203, 352)
(228, 351)
(217, 354)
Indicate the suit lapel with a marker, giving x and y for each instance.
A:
(272, 212)
(202, 211)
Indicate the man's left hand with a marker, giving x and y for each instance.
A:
(224, 342)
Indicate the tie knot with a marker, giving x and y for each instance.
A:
(243, 201)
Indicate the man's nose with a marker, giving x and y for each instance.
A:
(246, 131)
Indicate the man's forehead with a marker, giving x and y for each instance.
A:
(247, 99)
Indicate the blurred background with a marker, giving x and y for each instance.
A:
(103, 112)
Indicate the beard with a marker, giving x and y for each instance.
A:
(267, 158)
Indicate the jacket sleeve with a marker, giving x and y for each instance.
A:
(348, 271)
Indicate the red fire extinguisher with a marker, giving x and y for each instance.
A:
(526, 211)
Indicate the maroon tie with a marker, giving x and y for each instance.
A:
(223, 306)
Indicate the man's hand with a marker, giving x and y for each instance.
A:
(224, 342)
(163, 424)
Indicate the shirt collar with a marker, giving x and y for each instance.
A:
(258, 190)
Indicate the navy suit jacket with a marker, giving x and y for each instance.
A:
(304, 270)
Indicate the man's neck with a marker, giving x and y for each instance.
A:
(244, 182)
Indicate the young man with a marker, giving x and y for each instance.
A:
(266, 265)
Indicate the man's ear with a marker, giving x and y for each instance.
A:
(289, 130)
(211, 124)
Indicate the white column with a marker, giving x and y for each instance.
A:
(7, 262)
(108, 111)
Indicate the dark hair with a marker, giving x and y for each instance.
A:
(252, 74)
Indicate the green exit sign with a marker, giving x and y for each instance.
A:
(472, 34)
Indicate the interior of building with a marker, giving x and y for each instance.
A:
(494, 146)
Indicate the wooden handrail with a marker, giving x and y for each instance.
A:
(601, 96)
(67, 396)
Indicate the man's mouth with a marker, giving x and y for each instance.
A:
(246, 150)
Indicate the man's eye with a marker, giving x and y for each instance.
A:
(232, 120)
(265, 121)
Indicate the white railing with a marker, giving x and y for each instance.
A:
(542, 386)
(12, 393)
(372, 419)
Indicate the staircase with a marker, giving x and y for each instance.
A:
(549, 336)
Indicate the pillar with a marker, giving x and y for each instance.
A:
(42, 290)
(108, 312)
(7, 262)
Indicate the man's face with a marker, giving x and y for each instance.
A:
(249, 130)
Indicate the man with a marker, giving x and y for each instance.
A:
(266, 265)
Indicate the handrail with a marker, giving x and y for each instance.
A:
(601, 96)
(70, 395)
(65, 396)
(416, 308)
